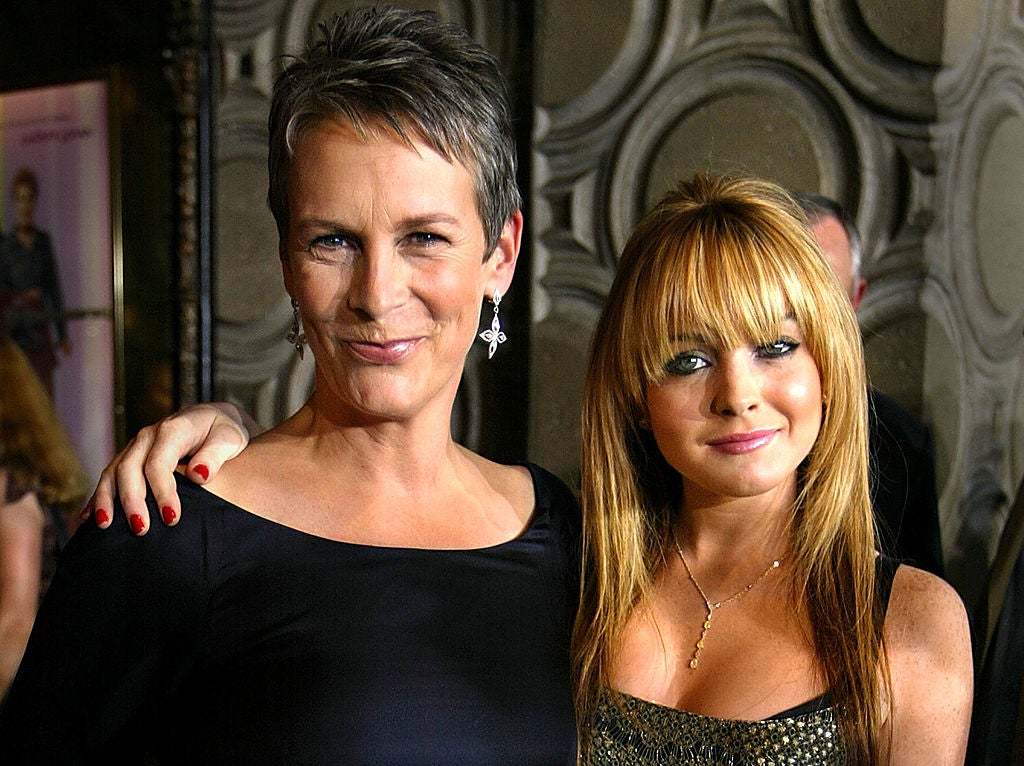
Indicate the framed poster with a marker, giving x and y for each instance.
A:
(60, 252)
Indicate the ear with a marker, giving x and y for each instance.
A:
(501, 265)
(859, 288)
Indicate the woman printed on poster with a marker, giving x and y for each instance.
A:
(30, 294)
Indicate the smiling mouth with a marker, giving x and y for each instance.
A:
(738, 444)
(386, 352)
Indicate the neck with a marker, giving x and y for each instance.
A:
(412, 454)
(737, 532)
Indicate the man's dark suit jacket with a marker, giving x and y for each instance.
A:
(903, 492)
(997, 722)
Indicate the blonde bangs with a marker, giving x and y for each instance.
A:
(726, 283)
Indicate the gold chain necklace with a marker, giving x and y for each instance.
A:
(711, 607)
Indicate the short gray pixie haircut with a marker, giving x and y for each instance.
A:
(413, 74)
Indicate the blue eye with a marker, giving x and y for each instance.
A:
(777, 349)
(426, 239)
(686, 363)
(328, 244)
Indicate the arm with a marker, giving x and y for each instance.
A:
(210, 433)
(21, 545)
(929, 648)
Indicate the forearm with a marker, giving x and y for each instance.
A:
(14, 633)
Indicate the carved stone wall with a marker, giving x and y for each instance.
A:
(974, 292)
(912, 115)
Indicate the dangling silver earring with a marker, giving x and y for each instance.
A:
(493, 335)
(296, 336)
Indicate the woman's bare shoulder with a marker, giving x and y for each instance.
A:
(923, 610)
(928, 644)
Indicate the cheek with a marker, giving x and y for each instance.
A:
(318, 293)
(455, 294)
(671, 411)
(803, 392)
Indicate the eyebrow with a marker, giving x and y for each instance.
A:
(406, 224)
(420, 221)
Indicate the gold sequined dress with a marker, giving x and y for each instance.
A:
(636, 731)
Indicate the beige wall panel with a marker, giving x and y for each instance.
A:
(913, 29)
(999, 229)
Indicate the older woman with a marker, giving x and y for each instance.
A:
(355, 587)
(734, 608)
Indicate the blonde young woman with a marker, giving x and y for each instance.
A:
(734, 609)
(40, 480)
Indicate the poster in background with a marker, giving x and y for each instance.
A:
(62, 134)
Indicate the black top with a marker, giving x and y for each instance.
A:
(903, 491)
(234, 639)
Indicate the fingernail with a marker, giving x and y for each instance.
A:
(168, 514)
(86, 513)
(203, 471)
(137, 524)
(102, 517)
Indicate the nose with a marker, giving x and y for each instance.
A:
(379, 284)
(737, 384)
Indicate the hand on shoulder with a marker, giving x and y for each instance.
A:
(207, 434)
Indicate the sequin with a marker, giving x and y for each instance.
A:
(634, 731)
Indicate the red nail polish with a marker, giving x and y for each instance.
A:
(167, 514)
(203, 471)
(137, 524)
(102, 517)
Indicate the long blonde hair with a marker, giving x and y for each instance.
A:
(728, 259)
(34, 450)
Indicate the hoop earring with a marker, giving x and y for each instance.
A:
(296, 336)
(493, 335)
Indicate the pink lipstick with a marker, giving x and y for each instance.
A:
(742, 443)
(389, 352)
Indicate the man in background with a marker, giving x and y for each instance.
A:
(903, 491)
